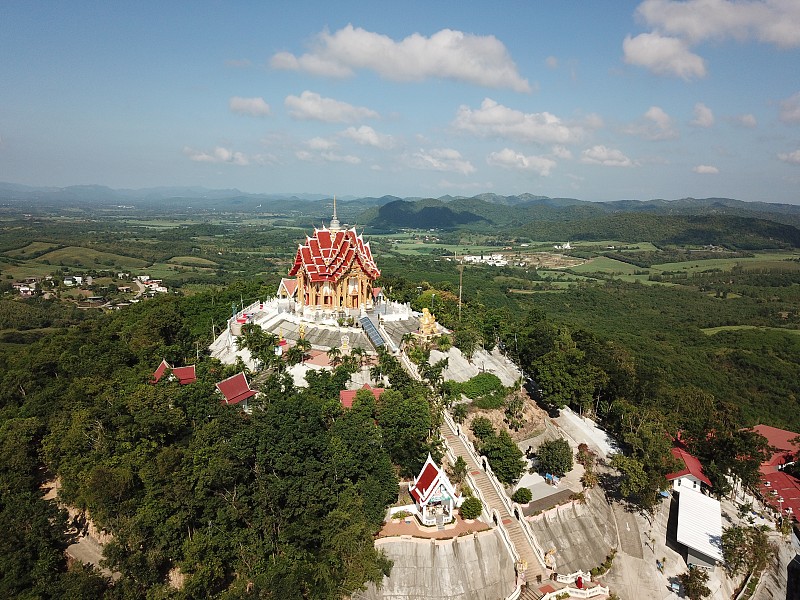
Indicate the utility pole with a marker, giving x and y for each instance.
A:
(460, 285)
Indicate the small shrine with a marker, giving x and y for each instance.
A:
(435, 498)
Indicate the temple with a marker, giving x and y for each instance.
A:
(334, 272)
(435, 498)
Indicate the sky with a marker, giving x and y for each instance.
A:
(590, 100)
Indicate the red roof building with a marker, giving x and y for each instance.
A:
(236, 390)
(434, 496)
(184, 375)
(691, 475)
(779, 489)
(287, 288)
(346, 397)
(334, 269)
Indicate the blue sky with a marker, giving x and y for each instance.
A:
(593, 100)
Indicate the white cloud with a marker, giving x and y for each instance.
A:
(466, 185)
(345, 158)
(792, 158)
(609, 157)
(790, 109)
(705, 170)
(447, 54)
(218, 155)
(367, 136)
(746, 120)
(509, 159)
(312, 106)
(441, 159)
(551, 62)
(253, 107)
(493, 119)
(663, 55)
(319, 143)
(703, 116)
(304, 155)
(562, 152)
(770, 21)
(655, 124)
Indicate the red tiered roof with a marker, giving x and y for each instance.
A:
(235, 389)
(346, 397)
(328, 254)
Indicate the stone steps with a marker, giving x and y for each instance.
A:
(489, 493)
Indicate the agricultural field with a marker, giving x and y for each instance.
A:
(192, 261)
(716, 330)
(32, 249)
(87, 258)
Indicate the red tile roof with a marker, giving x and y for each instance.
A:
(776, 484)
(346, 397)
(785, 451)
(162, 368)
(289, 284)
(184, 375)
(235, 389)
(424, 486)
(691, 466)
(328, 255)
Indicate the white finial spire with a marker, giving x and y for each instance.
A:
(335, 226)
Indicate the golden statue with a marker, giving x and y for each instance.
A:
(427, 323)
(302, 331)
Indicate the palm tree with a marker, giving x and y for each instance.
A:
(335, 356)
(359, 353)
(304, 346)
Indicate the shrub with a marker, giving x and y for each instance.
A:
(522, 496)
(481, 385)
(482, 428)
(472, 508)
(555, 457)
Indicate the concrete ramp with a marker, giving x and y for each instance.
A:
(471, 567)
(582, 534)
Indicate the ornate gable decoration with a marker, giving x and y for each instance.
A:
(329, 254)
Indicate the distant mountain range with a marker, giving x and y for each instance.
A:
(564, 218)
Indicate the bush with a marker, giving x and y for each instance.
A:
(472, 508)
(555, 457)
(522, 496)
(482, 428)
(481, 385)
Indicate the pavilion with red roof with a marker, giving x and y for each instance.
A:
(691, 474)
(778, 488)
(334, 270)
(287, 288)
(236, 390)
(184, 375)
(346, 397)
(435, 498)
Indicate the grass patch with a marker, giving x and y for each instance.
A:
(192, 261)
(32, 249)
(75, 256)
(603, 264)
(715, 330)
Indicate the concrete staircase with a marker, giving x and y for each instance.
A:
(490, 495)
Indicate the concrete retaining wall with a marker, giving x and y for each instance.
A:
(471, 567)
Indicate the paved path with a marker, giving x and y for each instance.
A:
(488, 492)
